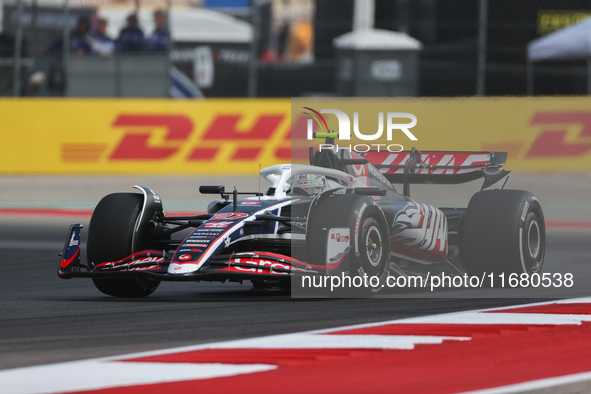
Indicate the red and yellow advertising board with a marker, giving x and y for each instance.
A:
(234, 136)
(143, 136)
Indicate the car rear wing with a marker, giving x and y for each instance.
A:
(441, 167)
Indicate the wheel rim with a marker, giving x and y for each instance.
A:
(373, 246)
(533, 239)
(533, 244)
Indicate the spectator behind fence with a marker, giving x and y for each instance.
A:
(160, 38)
(131, 37)
(79, 39)
(100, 42)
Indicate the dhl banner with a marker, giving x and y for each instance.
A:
(143, 136)
(540, 134)
(235, 136)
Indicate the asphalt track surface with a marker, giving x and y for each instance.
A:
(44, 319)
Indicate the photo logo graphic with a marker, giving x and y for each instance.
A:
(344, 129)
(344, 132)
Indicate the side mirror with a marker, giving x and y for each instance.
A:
(212, 189)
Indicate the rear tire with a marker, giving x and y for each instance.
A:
(111, 238)
(503, 231)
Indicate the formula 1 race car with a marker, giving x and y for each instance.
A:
(340, 214)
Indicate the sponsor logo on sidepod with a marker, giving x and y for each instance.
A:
(217, 224)
(250, 203)
(192, 245)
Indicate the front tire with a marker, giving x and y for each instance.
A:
(111, 237)
(369, 252)
(503, 231)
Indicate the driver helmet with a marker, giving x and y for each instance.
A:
(310, 184)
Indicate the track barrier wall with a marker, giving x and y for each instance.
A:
(235, 136)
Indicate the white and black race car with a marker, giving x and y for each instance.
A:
(340, 214)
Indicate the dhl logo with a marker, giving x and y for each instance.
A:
(563, 134)
(214, 142)
(558, 134)
(160, 137)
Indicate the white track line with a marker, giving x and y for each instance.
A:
(96, 375)
(311, 341)
(500, 318)
(535, 384)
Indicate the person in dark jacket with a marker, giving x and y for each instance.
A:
(131, 37)
(79, 37)
(160, 38)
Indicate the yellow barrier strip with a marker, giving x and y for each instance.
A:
(232, 136)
